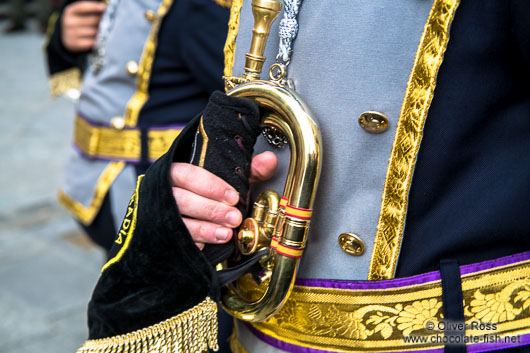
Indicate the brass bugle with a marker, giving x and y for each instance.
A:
(283, 230)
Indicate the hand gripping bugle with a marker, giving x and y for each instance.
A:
(280, 224)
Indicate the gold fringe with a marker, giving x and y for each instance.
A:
(192, 331)
(64, 81)
(409, 132)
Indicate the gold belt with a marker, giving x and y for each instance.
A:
(121, 143)
(404, 314)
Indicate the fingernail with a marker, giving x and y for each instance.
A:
(233, 217)
(222, 233)
(231, 197)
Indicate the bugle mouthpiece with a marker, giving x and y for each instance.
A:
(265, 12)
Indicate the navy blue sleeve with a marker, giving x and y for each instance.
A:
(202, 37)
(520, 21)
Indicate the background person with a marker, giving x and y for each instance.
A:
(147, 68)
(146, 73)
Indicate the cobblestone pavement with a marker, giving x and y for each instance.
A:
(47, 267)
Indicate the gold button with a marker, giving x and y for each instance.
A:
(132, 68)
(351, 244)
(117, 122)
(373, 122)
(150, 15)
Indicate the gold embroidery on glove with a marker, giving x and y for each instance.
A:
(127, 228)
(204, 144)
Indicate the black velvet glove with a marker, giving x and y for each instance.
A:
(155, 269)
(224, 146)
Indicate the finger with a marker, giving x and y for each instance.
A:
(200, 246)
(80, 44)
(206, 232)
(203, 183)
(86, 33)
(86, 21)
(263, 166)
(74, 22)
(87, 7)
(202, 208)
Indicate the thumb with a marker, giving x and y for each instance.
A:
(263, 166)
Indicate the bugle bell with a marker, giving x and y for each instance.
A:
(280, 224)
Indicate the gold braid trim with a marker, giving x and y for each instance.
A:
(64, 81)
(108, 142)
(496, 303)
(230, 44)
(193, 331)
(86, 214)
(409, 132)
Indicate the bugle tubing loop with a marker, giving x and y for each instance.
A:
(284, 110)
